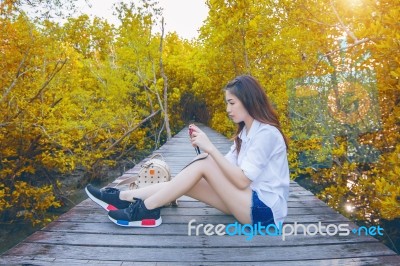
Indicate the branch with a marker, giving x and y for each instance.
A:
(99, 78)
(139, 74)
(131, 130)
(29, 153)
(320, 23)
(158, 137)
(315, 17)
(46, 83)
(43, 129)
(17, 76)
(358, 42)
(327, 55)
(346, 29)
(50, 78)
(4, 124)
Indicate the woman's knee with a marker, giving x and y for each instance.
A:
(208, 163)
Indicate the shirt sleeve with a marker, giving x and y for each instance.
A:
(262, 147)
(231, 156)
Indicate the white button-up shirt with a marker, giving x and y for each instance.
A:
(263, 159)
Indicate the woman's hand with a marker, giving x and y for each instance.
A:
(200, 139)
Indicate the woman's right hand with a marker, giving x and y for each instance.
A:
(200, 139)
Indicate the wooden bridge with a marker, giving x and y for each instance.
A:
(85, 235)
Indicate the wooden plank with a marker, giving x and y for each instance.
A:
(197, 204)
(187, 254)
(27, 260)
(183, 241)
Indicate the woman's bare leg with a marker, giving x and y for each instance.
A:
(202, 191)
(145, 192)
(226, 196)
(141, 193)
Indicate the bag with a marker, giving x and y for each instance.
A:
(151, 172)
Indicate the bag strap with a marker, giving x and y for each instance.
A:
(132, 181)
(150, 162)
(201, 156)
(157, 155)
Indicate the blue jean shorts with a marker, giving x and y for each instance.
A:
(260, 212)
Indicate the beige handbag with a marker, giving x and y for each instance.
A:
(154, 171)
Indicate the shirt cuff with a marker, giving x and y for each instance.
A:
(250, 170)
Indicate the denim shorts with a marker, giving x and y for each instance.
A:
(260, 212)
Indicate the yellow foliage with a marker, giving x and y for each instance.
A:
(33, 201)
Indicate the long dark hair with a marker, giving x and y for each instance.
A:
(249, 91)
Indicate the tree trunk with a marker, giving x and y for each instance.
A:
(166, 119)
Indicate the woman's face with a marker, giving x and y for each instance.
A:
(235, 109)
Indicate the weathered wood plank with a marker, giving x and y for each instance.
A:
(27, 260)
(187, 254)
(197, 204)
(183, 241)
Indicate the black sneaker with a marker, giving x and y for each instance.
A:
(108, 198)
(136, 215)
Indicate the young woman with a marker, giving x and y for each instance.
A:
(251, 182)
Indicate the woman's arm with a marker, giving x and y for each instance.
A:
(232, 172)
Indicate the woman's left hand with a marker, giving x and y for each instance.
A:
(200, 139)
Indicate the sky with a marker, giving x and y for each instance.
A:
(183, 16)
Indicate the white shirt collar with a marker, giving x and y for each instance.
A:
(254, 126)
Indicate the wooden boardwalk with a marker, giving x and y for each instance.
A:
(85, 236)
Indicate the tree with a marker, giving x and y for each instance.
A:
(29, 68)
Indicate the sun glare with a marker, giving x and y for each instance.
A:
(349, 208)
(354, 3)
